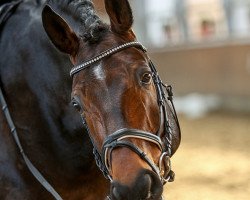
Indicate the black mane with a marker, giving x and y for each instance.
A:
(83, 12)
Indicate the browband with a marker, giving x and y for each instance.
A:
(104, 54)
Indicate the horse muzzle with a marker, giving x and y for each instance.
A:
(147, 186)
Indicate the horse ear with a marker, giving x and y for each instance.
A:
(120, 14)
(60, 33)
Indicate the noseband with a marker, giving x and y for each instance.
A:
(119, 138)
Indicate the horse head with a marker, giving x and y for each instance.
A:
(118, 94)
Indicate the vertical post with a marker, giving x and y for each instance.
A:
(181, 13)
(140, 23)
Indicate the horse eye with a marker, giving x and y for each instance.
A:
(76, 105)
(146, 78)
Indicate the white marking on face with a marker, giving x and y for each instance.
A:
(98, 72)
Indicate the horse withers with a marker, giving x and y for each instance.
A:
(121, 108)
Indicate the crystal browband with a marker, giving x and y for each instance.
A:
(104, 54)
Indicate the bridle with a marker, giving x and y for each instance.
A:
(119, 137)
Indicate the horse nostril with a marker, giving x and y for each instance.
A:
(115, 193)
(154, 186)
(119, 191)
(148, 185)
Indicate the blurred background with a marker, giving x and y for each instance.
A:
(202, 48)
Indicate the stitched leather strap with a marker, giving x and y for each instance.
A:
(118, 139)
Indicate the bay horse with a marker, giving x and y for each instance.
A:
(105, 132)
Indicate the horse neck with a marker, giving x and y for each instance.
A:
(37, 89)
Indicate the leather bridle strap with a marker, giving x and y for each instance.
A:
(116, 144)
(162, 102)
(104, 54)
(116, 140)
(27, 161)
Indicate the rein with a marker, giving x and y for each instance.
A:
(27, 161)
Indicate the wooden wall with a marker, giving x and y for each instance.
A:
(223, 69)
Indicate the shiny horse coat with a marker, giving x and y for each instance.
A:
(35, 80)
